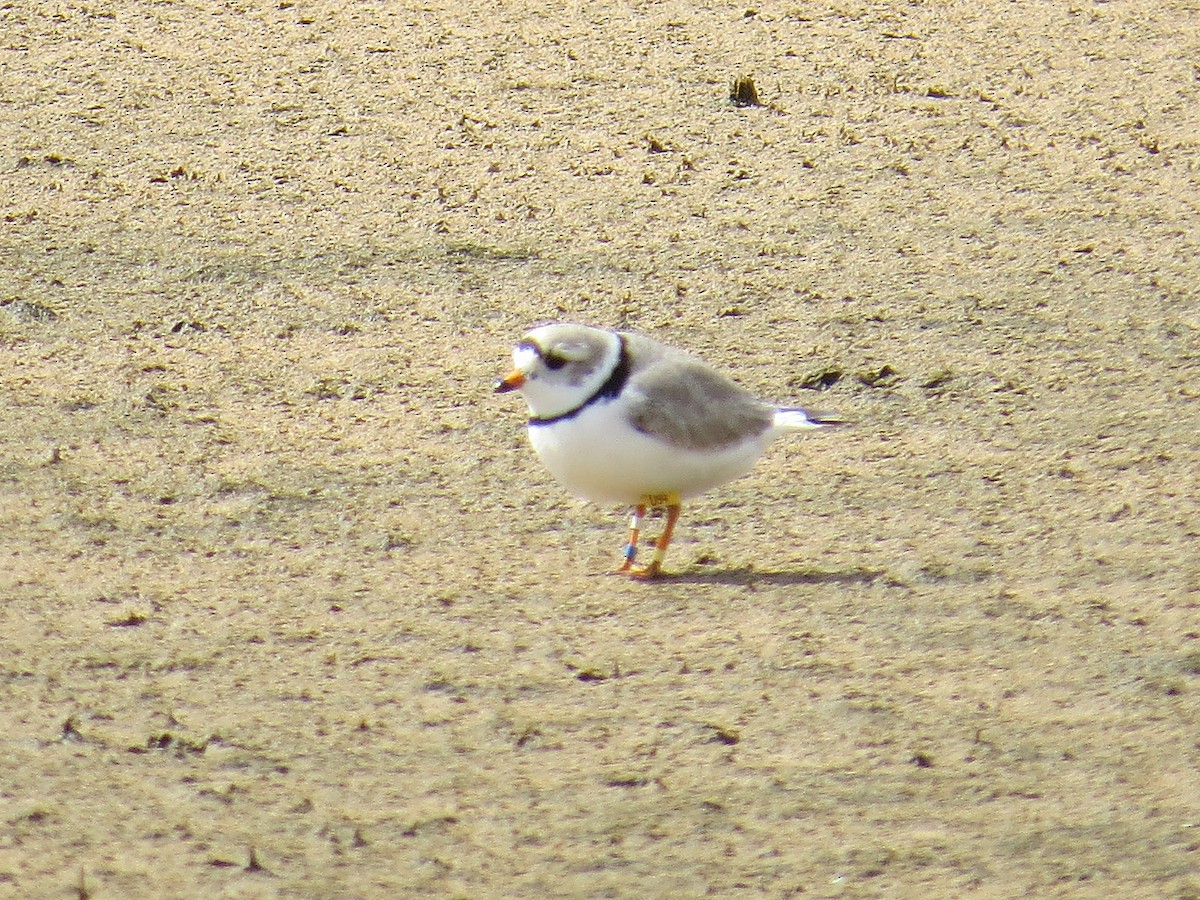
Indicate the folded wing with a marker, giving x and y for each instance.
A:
(692, 407)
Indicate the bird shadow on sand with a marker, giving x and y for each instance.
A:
(749, 577)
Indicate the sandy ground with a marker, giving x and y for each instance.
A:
(289, 608)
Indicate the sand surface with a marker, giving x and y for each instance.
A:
(288, 607)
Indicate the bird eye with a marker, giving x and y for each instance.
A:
(553, 361)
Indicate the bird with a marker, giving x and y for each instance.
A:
(618, 417)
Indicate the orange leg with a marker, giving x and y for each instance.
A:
(635, 528)
(654, 569)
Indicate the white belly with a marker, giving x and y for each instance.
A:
(597, 455)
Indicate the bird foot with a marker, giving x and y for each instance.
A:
(639, 573)
(646, 573)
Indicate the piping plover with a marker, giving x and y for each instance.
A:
(621, 418)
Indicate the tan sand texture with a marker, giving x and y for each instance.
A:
(288, 607)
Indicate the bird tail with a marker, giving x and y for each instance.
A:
(796, 418)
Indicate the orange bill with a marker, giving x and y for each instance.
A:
(510, 382)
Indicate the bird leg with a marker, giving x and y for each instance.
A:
(671, 503)
(635, 528)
